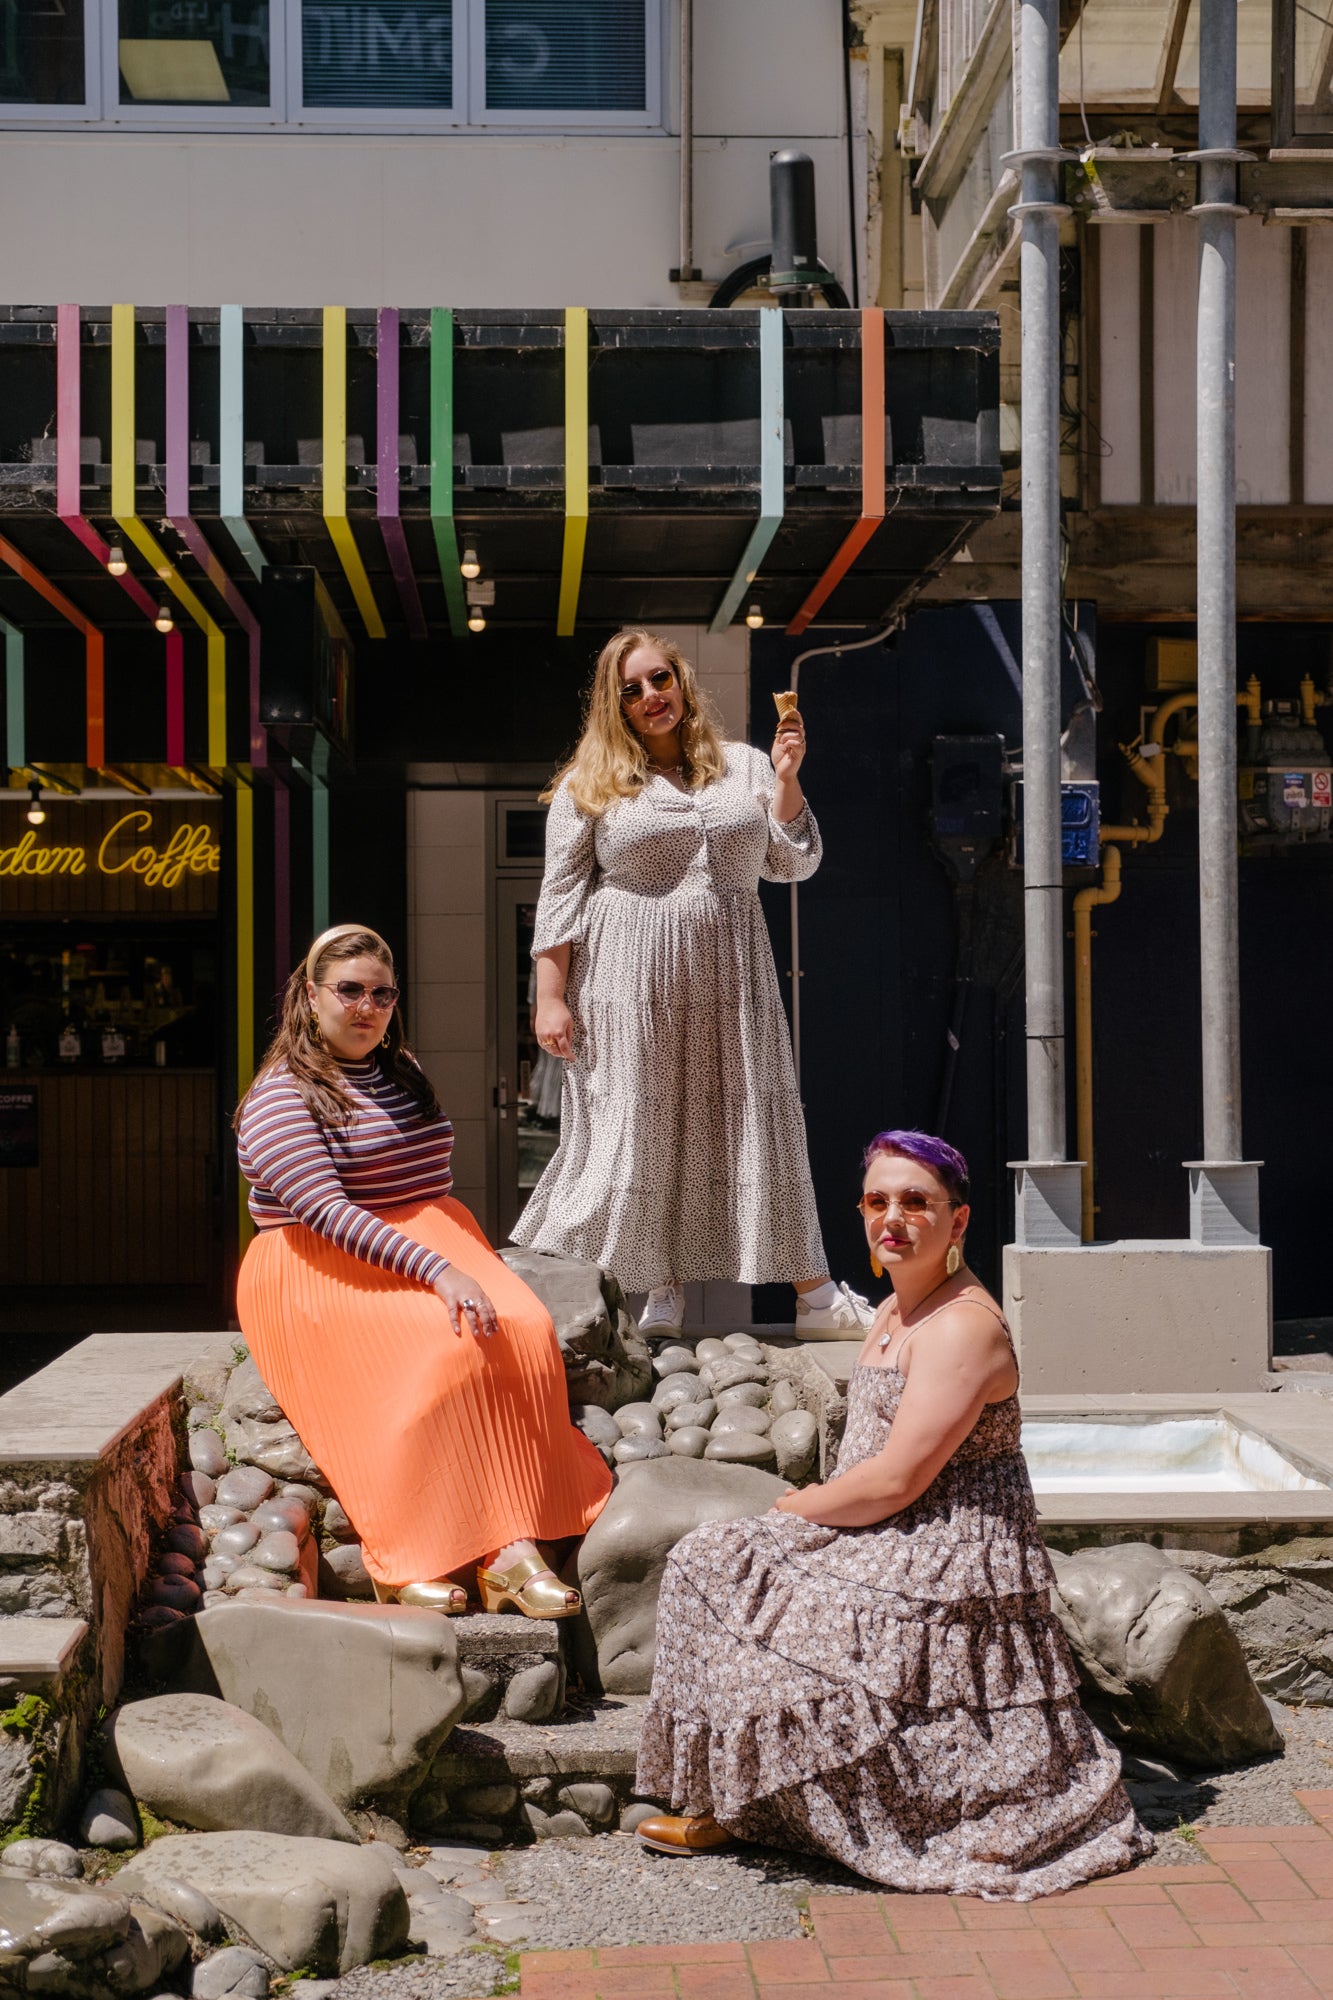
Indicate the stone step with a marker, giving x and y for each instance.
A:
(512, 1667)
(508, 1780)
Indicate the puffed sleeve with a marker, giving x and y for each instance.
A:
(794, 849)
(571, 872)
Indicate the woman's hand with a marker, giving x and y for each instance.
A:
(554, 1027)
(789, 748)
(468, 1307)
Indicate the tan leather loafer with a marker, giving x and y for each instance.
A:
(684, 1833)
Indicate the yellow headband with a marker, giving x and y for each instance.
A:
(326, 938)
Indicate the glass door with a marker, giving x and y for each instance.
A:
(527, 1087)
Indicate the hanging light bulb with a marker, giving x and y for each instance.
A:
(36, 810)
(476, 619)
(754, 617)
(470, 566)
(115, 560)
(164, 620)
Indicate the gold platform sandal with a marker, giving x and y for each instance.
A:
(529, 1586)
(442, 1595)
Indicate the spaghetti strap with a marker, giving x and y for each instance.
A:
(985, 1303)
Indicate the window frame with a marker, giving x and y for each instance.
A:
(83, 113)
(101, 109)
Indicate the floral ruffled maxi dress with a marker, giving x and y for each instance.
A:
(899, 1697)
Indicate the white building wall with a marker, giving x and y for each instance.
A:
(475, 218)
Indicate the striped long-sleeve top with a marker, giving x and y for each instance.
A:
(335, 1181)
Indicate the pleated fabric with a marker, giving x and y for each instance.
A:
(440, 1448)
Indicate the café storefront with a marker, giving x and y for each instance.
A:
(110, 955)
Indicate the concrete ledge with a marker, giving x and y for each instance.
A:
(1121, 1318)
(37, 1653)
(78, 1409)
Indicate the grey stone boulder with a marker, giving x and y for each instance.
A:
(207, 1453)
(740, 1417)
(362, 1695)
(235, 1970)
(204, 1763)
(83, 1943)
(109, 1819)
(630, 1450)
(795, 1435)
(597, 1424)
(343, 1574)
(621, 1559)
(316, 1905)
(638, 1420)
(274, 1447)
(245, 1486)
(187, 1906)
(1279, 1603)
(605, 1356)
(1159, 1666)
(248, 1395)
(742, 1395)
(690, 1441)
(740, 1448)
(52, 1859)
(533, 1695)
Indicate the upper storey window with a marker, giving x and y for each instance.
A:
(333, 65)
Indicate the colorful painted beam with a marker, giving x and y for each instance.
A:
(335, 469)
(123, 506)
(576, 468)
(69, 508)
(94, 755)
(771, 440)
(231, 439)
(387, 358)
(442, 466)
(189, 530)
(16, 733)
(245, 966)
(872, 469)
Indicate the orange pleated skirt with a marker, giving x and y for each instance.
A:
(440, 1448)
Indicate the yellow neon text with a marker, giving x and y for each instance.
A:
(190, 851)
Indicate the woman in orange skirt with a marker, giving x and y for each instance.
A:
(420, 1373)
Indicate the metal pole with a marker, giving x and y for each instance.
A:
(1216, 402)
(1039, 212)
(686, 273)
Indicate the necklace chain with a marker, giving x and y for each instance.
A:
(885, 1338)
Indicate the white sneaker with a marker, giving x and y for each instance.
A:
(847, 1317)
(663, 1310)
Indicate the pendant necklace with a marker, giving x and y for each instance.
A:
(885, 1338)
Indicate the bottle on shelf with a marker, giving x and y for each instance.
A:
(13, 1048)
(71, 1043)
(113, 1044)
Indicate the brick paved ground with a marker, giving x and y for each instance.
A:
(1255, 1922)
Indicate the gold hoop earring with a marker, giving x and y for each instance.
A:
(953, 1260)
(385, 1043)
(876, 1266)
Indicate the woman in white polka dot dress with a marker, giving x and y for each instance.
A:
(682, 1148)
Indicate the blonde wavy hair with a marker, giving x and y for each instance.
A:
(609, 760)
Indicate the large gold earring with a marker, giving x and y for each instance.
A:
(314, 1027)
(876, 1266)
(953, 1260)
(385, 1043)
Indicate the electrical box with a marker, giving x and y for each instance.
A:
(1080, 824)
(1172, 664)
(966, 799)
(1285, 779)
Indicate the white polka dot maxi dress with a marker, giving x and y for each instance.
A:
(682, 1144)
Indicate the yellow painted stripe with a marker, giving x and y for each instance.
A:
(245, 965)
(127, 520)
(576, 467)
(122, 410)
(335, 469)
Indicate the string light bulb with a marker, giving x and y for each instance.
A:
(754, 617)
(164, 620)
(470, 566)
(36, 810)
(476, 619)
(115, 560)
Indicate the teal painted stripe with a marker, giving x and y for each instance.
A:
(442, 465)
(771, 481)
(231, 489)
(16, 745)
(319, 849)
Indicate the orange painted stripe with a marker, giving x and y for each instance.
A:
(94, 651)
(872, 469)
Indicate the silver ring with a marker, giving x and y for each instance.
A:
(469, 1305)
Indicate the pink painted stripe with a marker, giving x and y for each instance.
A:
(386, 481)
(69, 420)
(175, 700)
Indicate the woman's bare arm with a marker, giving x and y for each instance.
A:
(551, 1017)
(964, 1364)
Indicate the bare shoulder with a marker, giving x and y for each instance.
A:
(969, 1335)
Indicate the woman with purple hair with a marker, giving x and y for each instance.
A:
(872, 1671)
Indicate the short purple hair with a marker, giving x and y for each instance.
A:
(937, 1154)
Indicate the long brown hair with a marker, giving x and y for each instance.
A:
(297, 1048)
(609, 761)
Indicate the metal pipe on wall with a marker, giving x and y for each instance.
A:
(1039, 211)
(686, 272)
(1216, 401)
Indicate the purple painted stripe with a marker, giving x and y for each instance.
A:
(282, 884)
(386, 480)
(178, 411)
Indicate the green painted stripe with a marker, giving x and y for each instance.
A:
(16, 746)
(442, 465)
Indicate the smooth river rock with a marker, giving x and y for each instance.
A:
(690, 1441)
(207, 1453)
(621, 1558)
(317, 1905)
(83, 1943)
(245, 1486)
(1161, 1670)
(675, 1361)
(208, 1764)
(742, 1394)
(632, 1449)
(362, 1695)
(741, 1417)
(34, 1856)
(795, 1435)
(691, 1415)
(639, 1420)
(605, 1356)
(740, 1448)
(109, 1819)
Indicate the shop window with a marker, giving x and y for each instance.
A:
(42, 52)
(378, 54)
(566, 55)
(194, 52)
